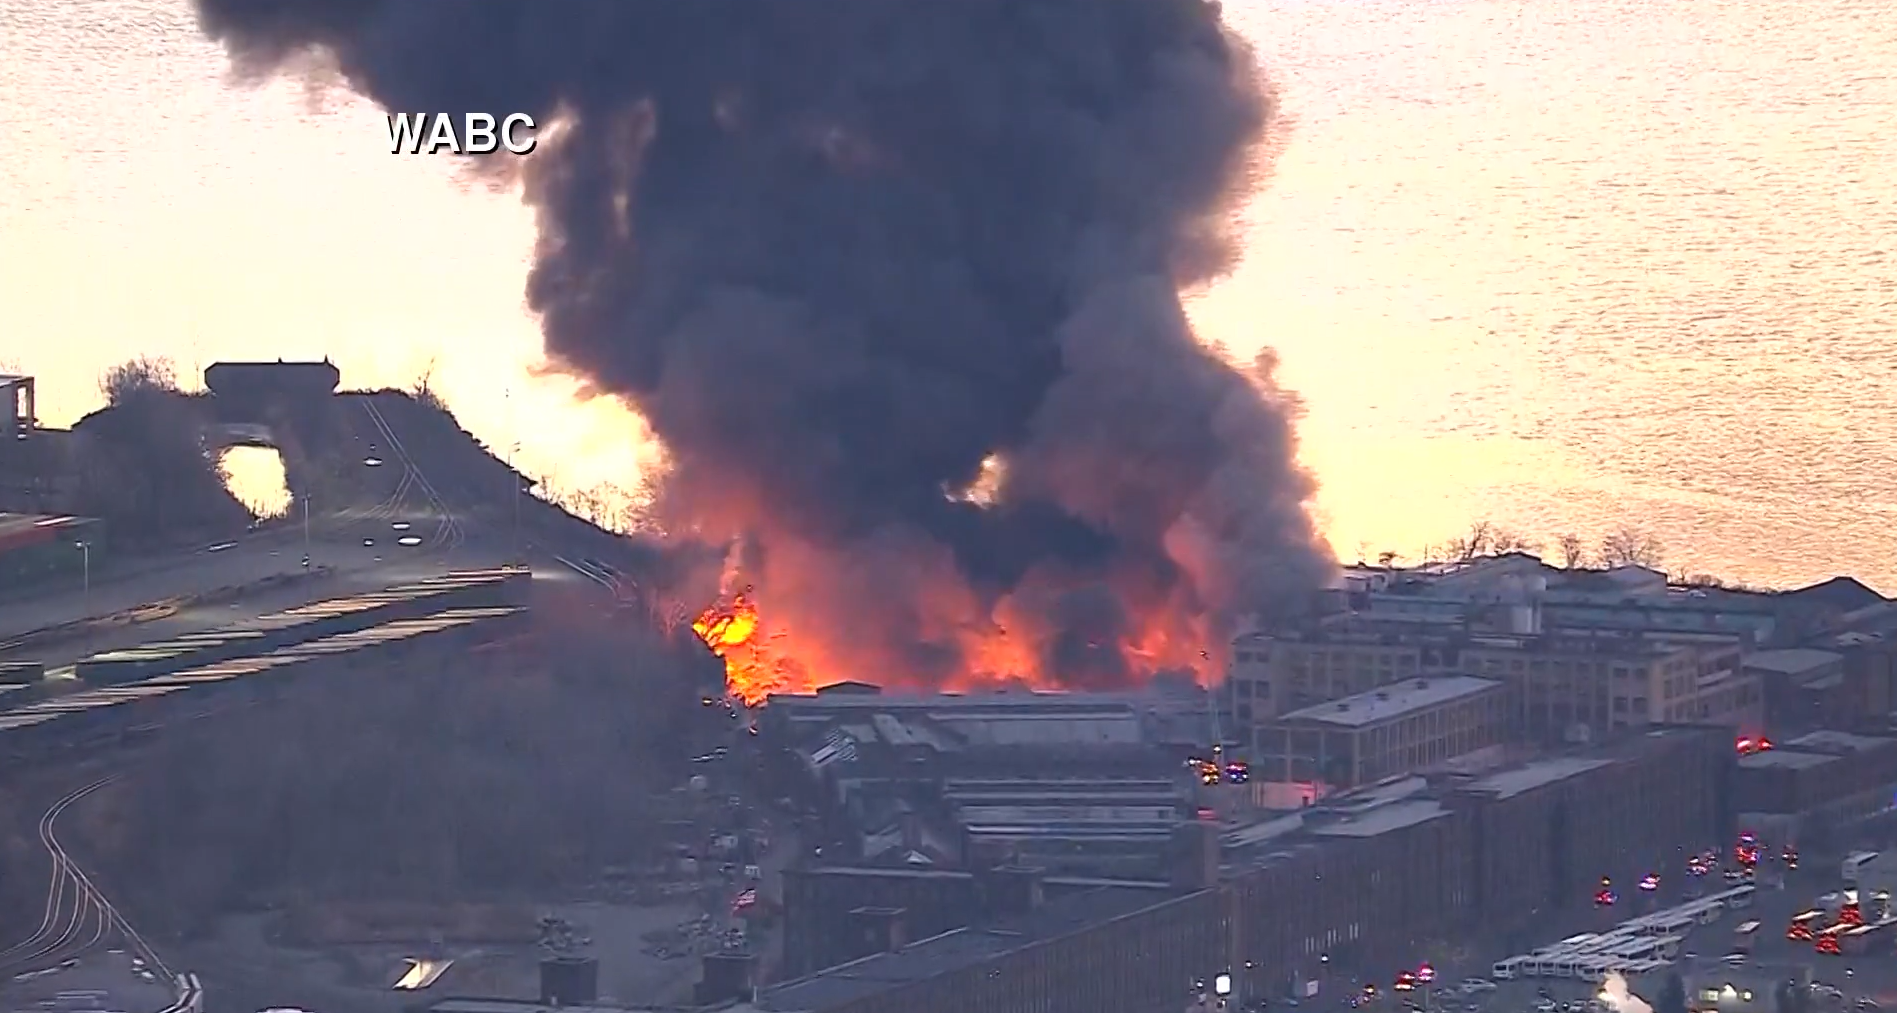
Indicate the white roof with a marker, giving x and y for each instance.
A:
(1393, 701)
(1508, 783)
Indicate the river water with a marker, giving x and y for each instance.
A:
(1559, 265)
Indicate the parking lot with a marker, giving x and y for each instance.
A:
(1704, 959)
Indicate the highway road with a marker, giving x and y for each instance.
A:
(411, 532)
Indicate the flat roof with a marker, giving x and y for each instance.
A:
(528, 1006)
(1383, 819)
(1393, 701)
(1826, 740)
(952, 951)
(1528, 777)
(1791, 661)
(1785, 759)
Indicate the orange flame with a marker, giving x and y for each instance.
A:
(760, 661)
(753, 670)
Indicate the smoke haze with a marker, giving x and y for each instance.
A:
(846, 255)
(1619, 998)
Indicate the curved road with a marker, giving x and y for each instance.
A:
(77, 917)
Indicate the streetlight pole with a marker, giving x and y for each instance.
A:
(85, 572)
(513, 447)
(306, 528)
(514, 477)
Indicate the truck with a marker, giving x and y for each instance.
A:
(1855, 864)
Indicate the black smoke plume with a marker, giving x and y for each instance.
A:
(840, 253)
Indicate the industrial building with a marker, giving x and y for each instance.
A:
(834, 915)
(1564, 687)
(36, 547)
(251, 381)
(19, 414)
(1826, 778)
(1396, 729)
(1075, 784)
(1364, 879)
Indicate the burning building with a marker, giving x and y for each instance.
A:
(896, 283)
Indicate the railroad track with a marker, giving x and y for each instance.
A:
(449, 533)
(76, 917)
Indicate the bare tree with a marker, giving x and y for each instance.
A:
(1573, 551)
(136, 376)
(1478, 542)
(423, 389)
(1503, 541)
(1387, 559)
(1628, 545)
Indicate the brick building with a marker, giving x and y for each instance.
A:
(1380, 732)
(1824, 777)
(1564, 685)
(1362, 881)
(1109, 949)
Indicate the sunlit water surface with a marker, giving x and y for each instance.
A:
(1562, 265)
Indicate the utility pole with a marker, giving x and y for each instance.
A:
(513, 477)
(306, 528)
(85, 573)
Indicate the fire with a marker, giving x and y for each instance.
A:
(732, 625)
(753, 671)
(761, 658)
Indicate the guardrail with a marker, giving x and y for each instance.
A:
(152, 611)
(190, 996)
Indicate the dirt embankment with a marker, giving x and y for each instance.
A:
(446, 779)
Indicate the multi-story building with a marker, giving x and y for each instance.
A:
(1824, 779)
(1366, 878)
(1566, 687)
(1400, 727)
(1110, 949)
(1363, 881)
(19, 415)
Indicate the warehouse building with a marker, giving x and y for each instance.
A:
(1381, 732)
(1824, 779)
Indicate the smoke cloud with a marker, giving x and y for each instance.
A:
(1618, 997)
(848, 257)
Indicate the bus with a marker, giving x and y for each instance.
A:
(1738, 897)
(1868, 938)
(1670, 924)
(1855, 864)
(1745, 937)
(1650, 948)
(1506, 970)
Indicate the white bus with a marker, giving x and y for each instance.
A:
(1737, 897)
(1855, 864)
(1671, 924)
(1506, 970)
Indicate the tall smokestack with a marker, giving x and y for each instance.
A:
(896, 282)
